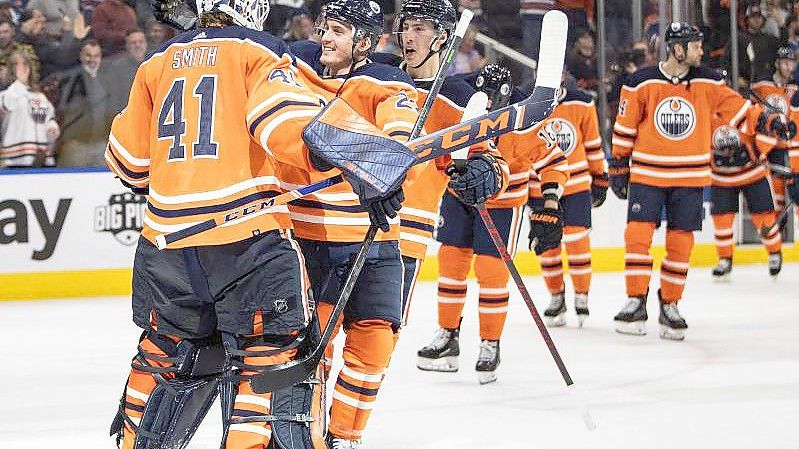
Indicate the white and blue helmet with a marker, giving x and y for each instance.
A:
(247, 13)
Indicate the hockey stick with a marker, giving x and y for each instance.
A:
(521, 115)
(280, 376)
(779, 223)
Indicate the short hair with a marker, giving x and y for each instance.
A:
(133, 31)
(90, 43)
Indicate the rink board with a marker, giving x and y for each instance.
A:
(73, 233)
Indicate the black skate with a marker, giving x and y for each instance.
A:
(442, 353)
(672, 325)
(722, 271)
(556, 312)
(581, 307)
(631, 320)
(774, 264)
(487, 361)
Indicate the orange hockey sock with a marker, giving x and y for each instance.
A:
(578, 248)
(778, 188)
(453, 267)
(674, 269)
(367, 351)
(492, 276)
(552, 270)
(725, 243)
(773, 241)
(325, 310)
(637, 261)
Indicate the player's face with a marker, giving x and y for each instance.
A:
(336, 44)
(416, 37)
(785, 67)
(693, 53)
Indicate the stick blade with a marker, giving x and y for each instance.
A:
(552, 49)
(477, 106)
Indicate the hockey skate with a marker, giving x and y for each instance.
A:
(672, 325)
(442, 353)
(774, 264)
(341, 443)
(487, 361)
(556, 312)
(631, 320)
(722, 271)
(581, 307)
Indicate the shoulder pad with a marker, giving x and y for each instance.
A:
(308, 52)
(456, 90)
(387, 59)
(264, 39)
(643, 74)
(578, 95)
(764, 78)
(706, 73)
(384, 72)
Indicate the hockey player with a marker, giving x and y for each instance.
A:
(575, 127)
(465, 239)
(776, 91)
(243, 284)
(737, 165)
(664, 128)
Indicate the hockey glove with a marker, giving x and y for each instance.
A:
(177, 13)
(480, 180)
(546, 229)
(779, 158)
(380, 210)
(619, 171)
(793, 188)
(599, 189)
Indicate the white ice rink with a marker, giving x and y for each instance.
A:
(734, 382)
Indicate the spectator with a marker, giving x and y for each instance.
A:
(83, 103)
(630, 61)
(27, 119)
(300, 26)
(87, 7)
(55, 11)
(56, 54)
(123, 68)
(468, 59)
(791, 33)
(112, 19)
(580, 14)
(158, 33)
(581, 61)
(757, 50)
(775, 16)
(8, 45)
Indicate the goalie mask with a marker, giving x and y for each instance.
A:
(247, 13)
(495, 81)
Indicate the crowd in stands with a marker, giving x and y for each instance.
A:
(66, 66)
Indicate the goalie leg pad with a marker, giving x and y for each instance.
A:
(299, 415)
(372, 161)
(186, 381)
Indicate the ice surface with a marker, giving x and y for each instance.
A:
(734, 382)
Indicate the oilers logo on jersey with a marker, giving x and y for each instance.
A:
(725, 136)
(563, 133)
(675, 118)
(778, 102)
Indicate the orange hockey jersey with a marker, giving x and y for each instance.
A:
(777, 96)
(747, 171)
(575, 127)
(209, 118)
(665, 127)
(383, 95)
(419, 213)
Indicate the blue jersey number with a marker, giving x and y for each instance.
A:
(171, 124)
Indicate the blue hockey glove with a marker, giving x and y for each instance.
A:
(599, 189)
(546, 229)
(480, 179)
(619, 171)
(381, 209)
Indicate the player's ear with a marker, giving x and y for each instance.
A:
(439, 41)
(364, 45)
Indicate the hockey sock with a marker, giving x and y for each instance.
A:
(578, 248)
(725, 244)
(141, 384)
(453, 268)
(773, 242)
(492, 276)
(552, 270)
(674, 269)
(778, 186)
(325, 310)
(637, 261)
(367, 351)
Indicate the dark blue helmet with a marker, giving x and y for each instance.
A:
(440, 13)
(682, 32)
(786, 52)
(365, 16)
(495, 81)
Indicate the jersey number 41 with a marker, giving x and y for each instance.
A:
(171, 123)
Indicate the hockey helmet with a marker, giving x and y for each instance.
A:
(247, 13)
(786, 52)
(365, 16)
(440, 13)
(495, 81)
(682, 33)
